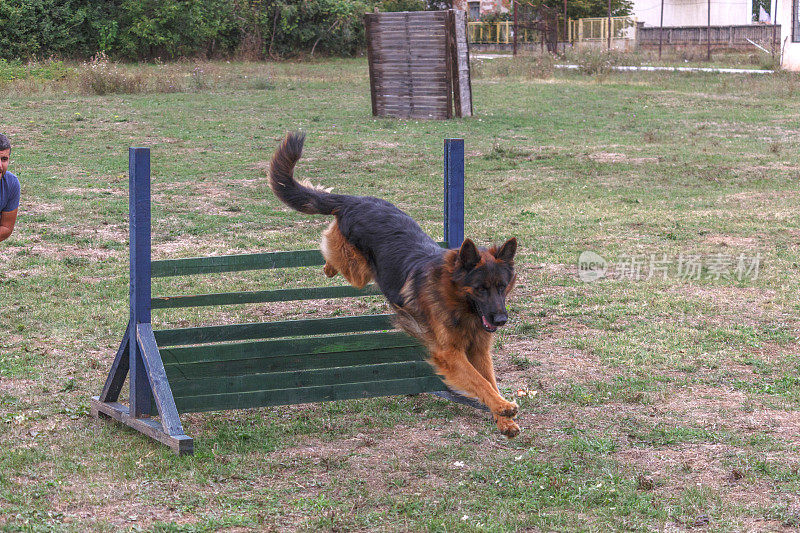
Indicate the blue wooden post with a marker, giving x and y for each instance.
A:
(454, 227)
(139, 182)
(454, 192)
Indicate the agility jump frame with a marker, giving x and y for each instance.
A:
(240, 366)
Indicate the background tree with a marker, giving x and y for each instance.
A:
(587, 8)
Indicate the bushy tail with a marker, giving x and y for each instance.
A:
(303, 197)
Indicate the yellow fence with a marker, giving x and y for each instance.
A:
(586, 30)
(499, 33)
(596, 30)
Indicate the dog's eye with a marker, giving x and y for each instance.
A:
(501, 288)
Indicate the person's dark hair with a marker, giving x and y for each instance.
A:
(5, 144)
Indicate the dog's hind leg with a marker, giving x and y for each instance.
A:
(341, 256)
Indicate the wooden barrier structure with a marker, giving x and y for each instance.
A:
(419, 64)
(242, 366)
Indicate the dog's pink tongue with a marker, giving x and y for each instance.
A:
(486, 323)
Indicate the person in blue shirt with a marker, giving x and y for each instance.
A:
(9, 191)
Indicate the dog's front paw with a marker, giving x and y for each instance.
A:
(509, 410)
(507, 427)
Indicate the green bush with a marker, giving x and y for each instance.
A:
(290, 26)
(43, 28)
(599, 61)
(403, 5)
(169, 29)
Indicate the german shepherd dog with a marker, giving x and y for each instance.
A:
(451, 300)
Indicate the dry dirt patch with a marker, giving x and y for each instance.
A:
(40, 208)
(63, 251)
(612, 157)
(760, 197)
(16, 387)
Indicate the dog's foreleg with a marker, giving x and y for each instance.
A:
(482, 361)
(458, 373)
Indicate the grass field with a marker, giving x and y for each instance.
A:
(665, 396)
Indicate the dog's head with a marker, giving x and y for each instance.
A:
(486, 277)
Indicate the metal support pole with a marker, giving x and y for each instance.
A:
(661, 31)
(708, 31)
(609, 24)
(515, 27)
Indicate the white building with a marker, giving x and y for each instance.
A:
(694, 12)
(788, 17)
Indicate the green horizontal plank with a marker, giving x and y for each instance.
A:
(285, 347)
(281, 295)
(266, 330)
(343, 391)
(235, 263)
(214, 385)
(277, 363)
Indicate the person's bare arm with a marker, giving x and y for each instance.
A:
(7, 221)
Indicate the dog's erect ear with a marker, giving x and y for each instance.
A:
(468, 255)
(507, 251)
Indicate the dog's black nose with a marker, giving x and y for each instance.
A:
(499, 320)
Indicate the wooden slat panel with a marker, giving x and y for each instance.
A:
(389, 15)
(402, 36)
(276, 363)
(280, 363)
(281, 295)
(235, 263)
(413, 17)
(285, 347)
(344, 391)
(434, 95)
(408, 64)
(266, 330)
(301, 378)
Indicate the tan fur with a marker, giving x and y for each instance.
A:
(341, 256)
(439, 316)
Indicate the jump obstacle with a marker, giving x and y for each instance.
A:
(419, 64)
(239, 366)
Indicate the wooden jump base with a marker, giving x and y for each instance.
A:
(241, 366)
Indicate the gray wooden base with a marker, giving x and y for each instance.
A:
(180, 444)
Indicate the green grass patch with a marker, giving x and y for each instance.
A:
(623, 164)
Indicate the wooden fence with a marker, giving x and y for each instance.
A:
(734, 36)
(419, 64)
